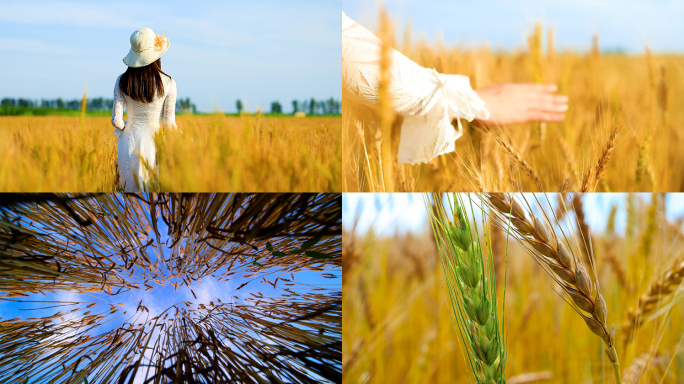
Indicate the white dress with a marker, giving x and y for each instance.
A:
(427, 100)
(136, 134)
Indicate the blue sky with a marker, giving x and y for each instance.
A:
(400, 212)
(505, 24)
(221, 51)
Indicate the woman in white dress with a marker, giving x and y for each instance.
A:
(149, 95)
(429, 101)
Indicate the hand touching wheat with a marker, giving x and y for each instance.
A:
(522, 103)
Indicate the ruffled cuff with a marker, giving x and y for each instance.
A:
(462, 101)
(426, 136)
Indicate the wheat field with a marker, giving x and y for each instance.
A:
(398, 328)
(250, 153)
(622, 132)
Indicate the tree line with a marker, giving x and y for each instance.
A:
(96, 104)
(93, 104)
(310, 107)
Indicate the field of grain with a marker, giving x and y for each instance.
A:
(625, 116)
(250, 153)
(398, 328)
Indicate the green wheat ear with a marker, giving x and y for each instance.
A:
(471, 285)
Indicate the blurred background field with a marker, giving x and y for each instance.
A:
(250, 153)
(633, 88)
(397, 327)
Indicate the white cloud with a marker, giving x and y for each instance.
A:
(210, 290)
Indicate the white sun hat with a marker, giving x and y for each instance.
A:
(146, 48)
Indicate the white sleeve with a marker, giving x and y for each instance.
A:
(428, 100)
(117, 109)
(170, 106)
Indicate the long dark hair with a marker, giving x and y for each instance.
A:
(143, 83)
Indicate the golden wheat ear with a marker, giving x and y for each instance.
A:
(535, 229)
(657, 298)
(520, 161)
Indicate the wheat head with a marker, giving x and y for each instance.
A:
(471, 287)
(542, 242)
(656, 296)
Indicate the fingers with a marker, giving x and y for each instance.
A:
(547, 98)
(521, 103)
(551, 105)
(541, 116)
(556, 108)
(547, 103)
(548, 108)
(538, 88)
(558, 99)
(551, 108)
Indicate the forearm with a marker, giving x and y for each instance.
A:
(170, 107)
(118, 107)
(117, 120)
(413, 90)
(361, 71)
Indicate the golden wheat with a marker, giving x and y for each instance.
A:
(639, 118)
(397, 325)
(208, 153)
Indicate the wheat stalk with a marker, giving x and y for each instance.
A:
(578, 208)
(609, 250)
(642, 159)
(567, 153)
(657, 296)
(543, 243)
(651, 226)
(534, 45)
(384, 108)
(471, 287)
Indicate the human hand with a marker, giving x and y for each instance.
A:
(522, 103)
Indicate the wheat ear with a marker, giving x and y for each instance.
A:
(521, 162)
(605, 156)
(635, 372)
(471, 287)
(656, 296)
(592, 176)
(563, 265)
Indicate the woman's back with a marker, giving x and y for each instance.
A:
(149, 96)
(161, 111)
